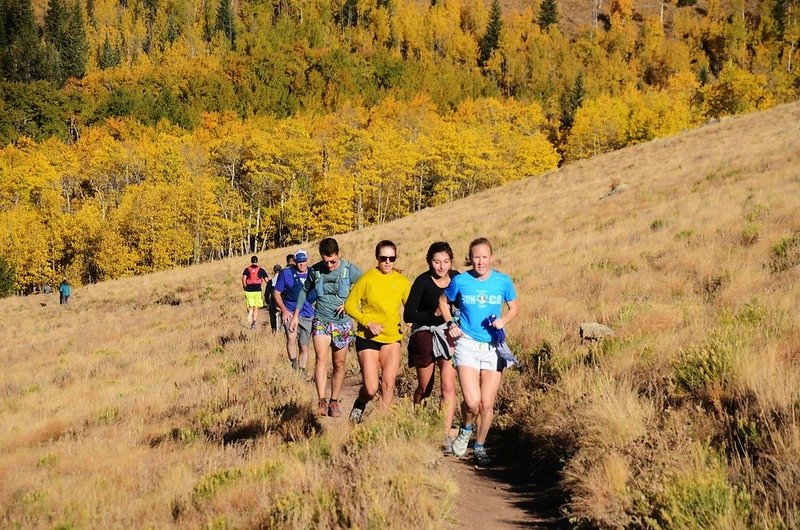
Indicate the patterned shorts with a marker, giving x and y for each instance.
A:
(341, 333)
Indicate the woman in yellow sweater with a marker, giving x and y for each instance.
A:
(375, 303)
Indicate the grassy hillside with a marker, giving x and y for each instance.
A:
(146, 400)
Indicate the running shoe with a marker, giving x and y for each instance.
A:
(480, 456)
(448, 445)
(356, 415)
(461, 442)
(333, 409)
(252, 325)
(322, 409)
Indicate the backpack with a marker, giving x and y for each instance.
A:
(252, 275)
(343, 281)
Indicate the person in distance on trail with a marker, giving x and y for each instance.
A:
(270, 299)
(429, 346)
(64, 291)
(287, 292)
(289, 261)
(375, 303)
(480, 294)
(252, 278)
(331, 279)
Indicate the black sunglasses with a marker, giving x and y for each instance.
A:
(390, 259)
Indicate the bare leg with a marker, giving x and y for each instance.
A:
(490, 383)
(389, 360)
(368, 360)
(470, 379)
(424, 383)
(302, 358)
(337, 378)
(321, 345)
(447, 374)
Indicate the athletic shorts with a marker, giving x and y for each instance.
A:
(478, 355)
(420, 349)
(303, 330)
(341, 333)
(254, 298)
(369, 344)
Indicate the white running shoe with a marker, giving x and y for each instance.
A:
(462, 441)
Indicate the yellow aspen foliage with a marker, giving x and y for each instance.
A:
(149, 221)
(736, 91)
(600, 125)
(25, 244)
(113, 257)
(623, 8)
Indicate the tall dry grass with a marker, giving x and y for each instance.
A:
(146, 402)
(119, 405)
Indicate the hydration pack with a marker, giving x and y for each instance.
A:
(343, 281)
(252, 275)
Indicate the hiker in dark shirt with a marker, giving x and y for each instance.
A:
(428, 345)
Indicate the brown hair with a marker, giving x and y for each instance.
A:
(383, 244)
(435, 248)
(478, 242)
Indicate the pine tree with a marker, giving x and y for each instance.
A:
(491, 39)
(7, 281)
(22, 56)
(548, 14)
(225, 22)
(108, 56)
(75, 50)
(90, 13)
(55, 36)
(571, 102)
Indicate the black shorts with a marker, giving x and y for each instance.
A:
(369, 344)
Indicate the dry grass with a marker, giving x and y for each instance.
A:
(123, 410)
(119, 405)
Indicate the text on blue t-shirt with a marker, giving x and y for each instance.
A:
(478, 299)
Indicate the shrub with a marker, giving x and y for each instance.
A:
(785, 253)
(703, 498)
(705, 365)
(749, 235)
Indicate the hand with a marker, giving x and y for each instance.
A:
(293, 324)
(437, 313)
(455, 332)
(498, 323)
(374, 328)
(286, 316)
(340, 310)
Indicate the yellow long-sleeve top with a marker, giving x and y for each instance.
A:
(377, 297)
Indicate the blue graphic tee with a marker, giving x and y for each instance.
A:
(289, 284)
(478, 300)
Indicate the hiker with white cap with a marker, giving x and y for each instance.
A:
(287, 291)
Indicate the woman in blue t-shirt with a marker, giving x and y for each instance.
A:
(480, 294)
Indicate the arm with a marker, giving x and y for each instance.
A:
(280, 285)
(244, 280)
(444, 307)
(513, 309)
(353, 302)
(301, 299)
(411, 313)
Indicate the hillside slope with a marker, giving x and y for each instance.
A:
(122, 407)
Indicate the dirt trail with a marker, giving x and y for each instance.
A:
(512, 493)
